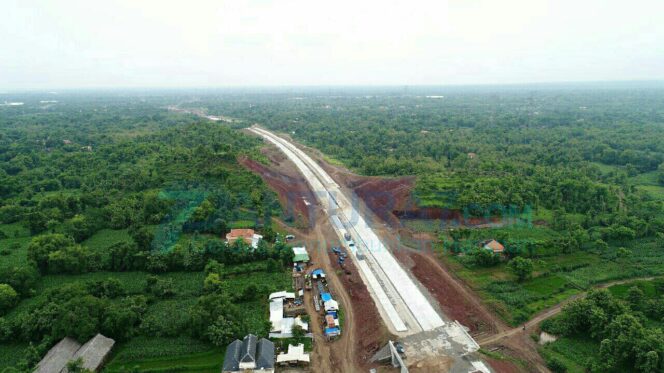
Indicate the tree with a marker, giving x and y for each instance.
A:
(635, 297)
(79, 228)
(272, 266)
(222, 331)
(8, 297)
(143, 237)
(37, 222)
(70, 259)
(298, 332)
(214, 284)
(41, 247)
(22, 279)
(213, 266)
(521, 267)
(485, 258)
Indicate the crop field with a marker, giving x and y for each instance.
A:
(156, 354)
(555, 278)
(106, 238)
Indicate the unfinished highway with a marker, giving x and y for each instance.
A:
(401, 302)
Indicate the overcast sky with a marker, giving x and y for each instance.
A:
(218, 43)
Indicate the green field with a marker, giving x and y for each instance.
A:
(106, 238)
(555, 278)
(156, 354)
(573, 352)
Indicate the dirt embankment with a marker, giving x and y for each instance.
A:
(368, 329)
(456, 302)
(294, 195)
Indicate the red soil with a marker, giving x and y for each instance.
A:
(450, 296)
(291, 188)
(502, 366)
(369, 331)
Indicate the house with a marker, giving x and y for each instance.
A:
(247, 235)
(249, 355)
(300, 255)
(493, 245)
(93, 354)
(295, 355)
(472, 155)
(282, 326)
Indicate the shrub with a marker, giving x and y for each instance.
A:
(556, 365)
(8, 297)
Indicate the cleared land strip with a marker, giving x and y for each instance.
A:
(386, 308)
(392, 279)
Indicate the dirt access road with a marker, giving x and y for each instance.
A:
(550, 312)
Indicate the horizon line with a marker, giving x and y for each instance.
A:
(328, 86)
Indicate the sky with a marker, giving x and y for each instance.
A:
(69, 44)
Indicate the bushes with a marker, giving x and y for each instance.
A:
(160, 288)
(8, 298)
(73, 311)
(41, 247)
(556, 365)
(21, 279)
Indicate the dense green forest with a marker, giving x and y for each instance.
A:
(112, 214)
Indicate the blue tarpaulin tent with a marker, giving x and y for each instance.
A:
(332, 331)
(325, 297)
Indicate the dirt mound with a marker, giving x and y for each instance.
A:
(453, 302)
(293, 192)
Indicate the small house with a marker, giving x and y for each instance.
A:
(300, 255)
(247, 235)
(493, 245)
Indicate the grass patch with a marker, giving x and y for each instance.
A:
(655, 191)
(648, 288)
(242, 224)
(573, 352)
(106, 238)
(13, 255)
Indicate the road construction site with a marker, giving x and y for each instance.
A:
(400, 299)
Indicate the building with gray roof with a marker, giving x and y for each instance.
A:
(249, 354)
(93, 354)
